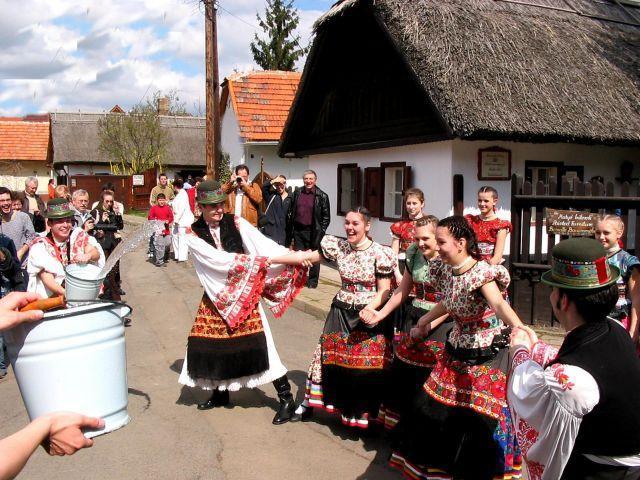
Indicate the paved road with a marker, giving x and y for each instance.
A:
(169, 439)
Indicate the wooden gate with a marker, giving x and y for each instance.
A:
(133, 197)
(530, 243)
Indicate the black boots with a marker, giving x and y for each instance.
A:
(287, 405)
(304, 416)
(219, 398)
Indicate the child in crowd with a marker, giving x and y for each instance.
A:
(161, 241)
(491, 231)
(609, 230)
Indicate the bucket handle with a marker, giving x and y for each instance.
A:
(99, 306)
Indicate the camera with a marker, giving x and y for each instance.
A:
(238, 180)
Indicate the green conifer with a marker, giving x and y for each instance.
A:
(280, 50)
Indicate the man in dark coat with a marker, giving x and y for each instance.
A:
(308, 219)
(278, 202)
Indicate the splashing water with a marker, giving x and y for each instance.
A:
(128, 245)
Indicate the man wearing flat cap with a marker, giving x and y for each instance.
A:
(230, 344)
(278, 202)
(576, 410)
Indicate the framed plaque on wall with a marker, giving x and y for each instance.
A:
(494, 163)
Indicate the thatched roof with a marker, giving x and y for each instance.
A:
(75, 139)
(534, 70)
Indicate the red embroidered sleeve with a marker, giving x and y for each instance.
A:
(519, 357)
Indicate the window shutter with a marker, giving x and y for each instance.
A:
(373, 190)
(407, 183)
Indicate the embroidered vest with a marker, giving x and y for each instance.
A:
(604, 349)
(229, 234)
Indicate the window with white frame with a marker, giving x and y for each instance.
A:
(393, 192)
(348, 187)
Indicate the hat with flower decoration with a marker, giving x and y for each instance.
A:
(580, 264)
(58, 208)
(210, 192)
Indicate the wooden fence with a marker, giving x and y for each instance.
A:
(530, 243)
(133, 197)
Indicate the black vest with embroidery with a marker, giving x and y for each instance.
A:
(229, 234)
(605, 350)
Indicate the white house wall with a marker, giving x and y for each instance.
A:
(431, 167)
(596, 160)
(230, 139)
(291, 168)
(14, 175)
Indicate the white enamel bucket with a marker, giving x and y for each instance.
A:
(74, 360)
(82, 283)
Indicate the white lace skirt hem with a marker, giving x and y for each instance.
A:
(275, 371)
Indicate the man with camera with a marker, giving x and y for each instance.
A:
(81, 212)
(107, 222)
(243, 196)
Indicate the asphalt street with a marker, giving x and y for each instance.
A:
(168, 438)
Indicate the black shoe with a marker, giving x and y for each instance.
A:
(312, 285)
(127, 322)
(121, 292)
(220, 398)
(305, 416)
(287, 405)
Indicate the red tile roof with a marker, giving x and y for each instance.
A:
(261, 101)
(22, 139)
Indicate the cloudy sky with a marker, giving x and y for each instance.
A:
(69, 55)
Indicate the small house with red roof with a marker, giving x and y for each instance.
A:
(254, 109)
(25, 151)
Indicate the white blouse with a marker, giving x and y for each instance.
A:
(547, 404)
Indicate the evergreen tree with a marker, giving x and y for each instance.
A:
(280, 50)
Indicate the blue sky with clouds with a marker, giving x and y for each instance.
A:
(69, 55)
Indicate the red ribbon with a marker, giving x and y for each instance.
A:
(601, 268)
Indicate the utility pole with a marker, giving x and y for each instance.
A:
(213, 150)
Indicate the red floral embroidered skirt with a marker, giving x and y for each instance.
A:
(354, 365)
(217, 352)
(460, 425)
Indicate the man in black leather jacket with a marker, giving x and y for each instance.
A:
(308, 219)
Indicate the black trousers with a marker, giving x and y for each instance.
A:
(302, 241)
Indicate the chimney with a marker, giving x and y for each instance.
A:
(163, 106)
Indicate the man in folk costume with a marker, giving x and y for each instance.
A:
(577, 409)
(64, 244)
(230, 344)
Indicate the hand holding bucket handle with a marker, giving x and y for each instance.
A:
(64, 435)
(9, 317)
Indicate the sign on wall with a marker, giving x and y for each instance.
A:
(571, 222)
(138, 180)
(494, 163)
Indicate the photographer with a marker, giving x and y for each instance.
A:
(107, 223)
(245, 202)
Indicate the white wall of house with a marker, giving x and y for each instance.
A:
(596, 160)
(292, 168)
(14, 174)
(230, 139)
(434, 164)
(431, 165)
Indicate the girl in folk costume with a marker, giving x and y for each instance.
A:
(349, 367)
(609, 231)
(491, 231)
(460, 425)
(413, 358)
(230, 344)
(63, 245)
(402, 233)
